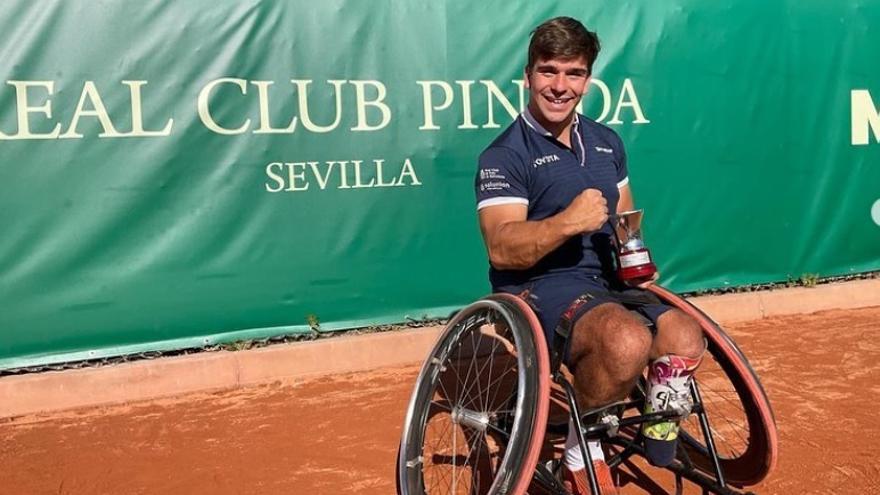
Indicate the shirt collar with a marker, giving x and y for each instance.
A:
(575, 135)
(531, 122)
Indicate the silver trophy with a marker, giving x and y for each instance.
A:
(634, 261)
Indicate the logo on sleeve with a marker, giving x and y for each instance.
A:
(492, 180)
(604, 150)
(544, 160)
(491, 173)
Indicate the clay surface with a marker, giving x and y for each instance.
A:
(339, 434)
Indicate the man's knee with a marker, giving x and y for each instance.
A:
(627, 350)
(615, 340)
(679, 334)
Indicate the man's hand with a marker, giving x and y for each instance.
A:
(515, 243)
(586, 213)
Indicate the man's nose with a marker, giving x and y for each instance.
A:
(558, 83)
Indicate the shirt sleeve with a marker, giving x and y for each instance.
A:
(620, 159)
(502, 178)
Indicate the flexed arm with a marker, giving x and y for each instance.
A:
(513, 242)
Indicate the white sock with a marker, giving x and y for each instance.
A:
(573, 458)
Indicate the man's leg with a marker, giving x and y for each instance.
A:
(678, 334)
(609, 350)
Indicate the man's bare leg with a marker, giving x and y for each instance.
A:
(609, 350)
(678, 334)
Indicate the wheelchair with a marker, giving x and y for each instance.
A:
(492, 400)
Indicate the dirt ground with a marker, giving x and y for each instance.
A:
(339, 434)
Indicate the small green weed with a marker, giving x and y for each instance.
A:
(809, 279)
(240, 345)
(313, 322)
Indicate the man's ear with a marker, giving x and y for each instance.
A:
(587, 85)
(526, 77)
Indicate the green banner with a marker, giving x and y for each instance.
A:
(181, 173)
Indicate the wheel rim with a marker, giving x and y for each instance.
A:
(475, 393)
(734, 423)
(741, 419)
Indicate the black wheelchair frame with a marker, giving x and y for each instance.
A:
(518, 423)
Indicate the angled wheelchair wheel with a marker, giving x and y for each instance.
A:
(476, 420)
(741, 420)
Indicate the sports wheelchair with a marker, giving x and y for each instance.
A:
(480, 419)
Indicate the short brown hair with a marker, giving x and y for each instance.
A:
(563, 38)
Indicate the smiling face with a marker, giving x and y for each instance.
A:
(556, 87)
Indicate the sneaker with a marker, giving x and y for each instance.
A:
(578, 483)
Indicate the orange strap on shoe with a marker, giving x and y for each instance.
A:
(578, 484)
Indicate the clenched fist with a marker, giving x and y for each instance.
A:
(586, 213)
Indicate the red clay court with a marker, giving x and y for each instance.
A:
(338, 434)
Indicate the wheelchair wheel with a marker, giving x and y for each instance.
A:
(742, 423)
(476, 420)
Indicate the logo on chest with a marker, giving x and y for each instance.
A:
(544, 160)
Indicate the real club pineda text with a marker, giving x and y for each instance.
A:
(246, 107)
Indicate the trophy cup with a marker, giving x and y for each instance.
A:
(634, 262)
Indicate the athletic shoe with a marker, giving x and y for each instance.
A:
(578, 482)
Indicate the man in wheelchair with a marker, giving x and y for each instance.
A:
(544, 189)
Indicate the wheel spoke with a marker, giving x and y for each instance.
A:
(466, 405)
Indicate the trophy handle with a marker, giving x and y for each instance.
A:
(616, 221)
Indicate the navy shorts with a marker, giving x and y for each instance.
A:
(551, 296)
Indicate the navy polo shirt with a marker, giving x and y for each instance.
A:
(527, 165)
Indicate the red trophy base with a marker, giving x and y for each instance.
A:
(636, 265)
